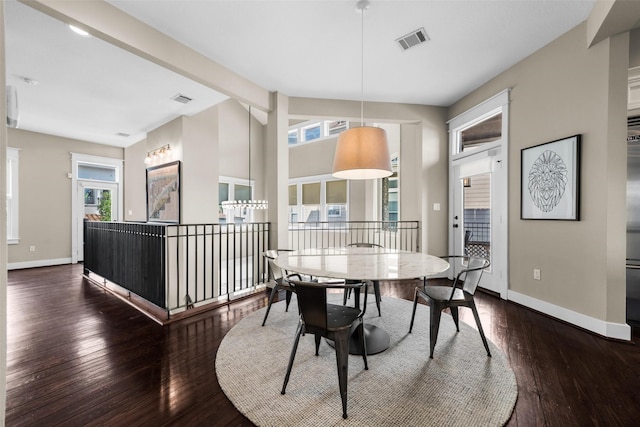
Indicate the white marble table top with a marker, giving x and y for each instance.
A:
(361, 263)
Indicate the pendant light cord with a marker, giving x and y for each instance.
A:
(364, 8)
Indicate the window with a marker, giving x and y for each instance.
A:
(483, 131)
(234, 189)
(294, 210)
(293, 137)
(12, 195)
(97, 173)
(390, 194)
(335, 127)
(315, 130)
(311, 202)
(318, 199)
(336, 197)
(312, 132)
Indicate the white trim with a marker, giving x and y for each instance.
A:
(490, 104)
(497, 151)
(620, 331)
(38, 263)
(231, 180)
(314, 178)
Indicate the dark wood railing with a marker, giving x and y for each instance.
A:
(177, 267)
(128, 254)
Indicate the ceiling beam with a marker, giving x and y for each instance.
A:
(109, 23)
(611, 17)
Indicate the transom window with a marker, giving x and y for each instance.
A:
(315, 130)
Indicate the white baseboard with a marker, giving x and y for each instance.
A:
(38, 263)
(620, 331)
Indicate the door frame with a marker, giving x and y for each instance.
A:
(86, 159)
(498, 152)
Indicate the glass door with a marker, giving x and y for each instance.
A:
(97, 201)
(474, 225)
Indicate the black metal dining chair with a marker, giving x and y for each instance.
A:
(331, 321)
(460, 294)
(376, 284)
(277, 277)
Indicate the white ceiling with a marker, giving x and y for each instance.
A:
(91, 90)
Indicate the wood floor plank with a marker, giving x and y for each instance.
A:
(77, 355)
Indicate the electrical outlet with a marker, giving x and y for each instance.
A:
(32, 248)
(536, 274)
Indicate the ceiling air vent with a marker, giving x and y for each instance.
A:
(181, 98)
(413, 38)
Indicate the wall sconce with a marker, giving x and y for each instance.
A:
(157, 154)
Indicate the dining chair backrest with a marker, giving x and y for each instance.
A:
(472, 273)
(276, 272)
(312, 301)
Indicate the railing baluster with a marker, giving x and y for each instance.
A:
(159, 262)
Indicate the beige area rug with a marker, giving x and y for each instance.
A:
(460, 386)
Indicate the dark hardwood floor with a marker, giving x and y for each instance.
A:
(80, 356)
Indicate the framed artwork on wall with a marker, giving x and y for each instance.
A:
(163, 193)
(550, 181)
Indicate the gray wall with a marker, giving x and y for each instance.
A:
(45, 193)
(561, 90)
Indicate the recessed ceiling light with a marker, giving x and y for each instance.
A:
(80, 31)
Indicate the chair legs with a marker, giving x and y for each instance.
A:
(293, 355)
(376, 291)
(435, 311)
(342, 359)
(274, 291)
(435, 314)
(413, 313)
(454, 314)
(341, 344)
(472, 305)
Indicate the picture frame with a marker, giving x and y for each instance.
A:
(550, 180)
(163, 193)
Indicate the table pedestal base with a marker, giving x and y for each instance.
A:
(376, 339)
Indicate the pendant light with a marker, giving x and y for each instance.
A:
(246, 204)
(362, 152)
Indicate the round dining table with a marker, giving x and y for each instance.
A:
(363, 264)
